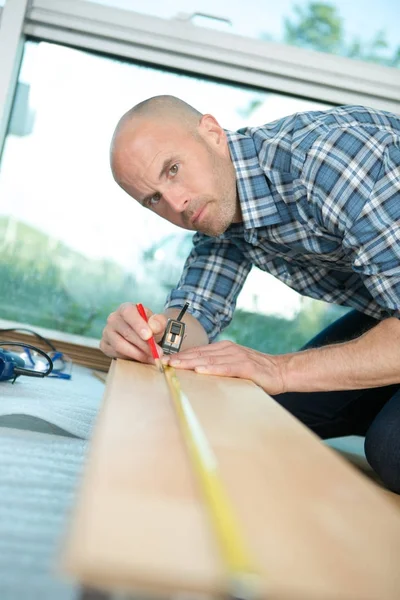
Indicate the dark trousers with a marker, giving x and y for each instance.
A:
(373, 413)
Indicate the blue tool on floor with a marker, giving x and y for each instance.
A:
(12, 365)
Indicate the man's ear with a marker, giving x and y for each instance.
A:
(211, 130)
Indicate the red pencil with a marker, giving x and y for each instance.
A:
(152, 342)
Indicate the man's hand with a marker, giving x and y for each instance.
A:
(371, 360)
(126, 333)
(231, 360)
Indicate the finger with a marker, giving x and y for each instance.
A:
(157, 324)
(160, 352)
(109, 351)
(225, 369)
(129, 323)
(268, 382)
(193, 353)
(209, 355)
(118, 325)
(208, 350)
(121, 348)
(199, 361)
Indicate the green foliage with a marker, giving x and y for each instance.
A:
(318, 26)
(276, 335)
(43, 282)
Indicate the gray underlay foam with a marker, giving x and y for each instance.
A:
(44, 428)
(68, 405)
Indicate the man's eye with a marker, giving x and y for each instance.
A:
(173, 170)
(154, 200)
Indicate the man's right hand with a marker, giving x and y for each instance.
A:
(126, 333)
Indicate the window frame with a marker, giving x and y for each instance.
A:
(180, 45)
(12, 41)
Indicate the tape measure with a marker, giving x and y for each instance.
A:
(172, 339)
(242, 576)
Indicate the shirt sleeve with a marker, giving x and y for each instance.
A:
(213, 275)
(353, 176)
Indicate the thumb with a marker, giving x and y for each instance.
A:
(157, 324)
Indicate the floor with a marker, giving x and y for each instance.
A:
(352, 449)
(45, 426)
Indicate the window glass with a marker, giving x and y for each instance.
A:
(73, 245)
(361, 29)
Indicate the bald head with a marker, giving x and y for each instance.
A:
(166, 108)
(158, 109)
(175, 161)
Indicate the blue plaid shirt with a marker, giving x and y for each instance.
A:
(320, 199)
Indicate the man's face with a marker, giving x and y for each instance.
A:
(185, 178)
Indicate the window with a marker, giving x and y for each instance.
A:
(365, 30)
(73, 246)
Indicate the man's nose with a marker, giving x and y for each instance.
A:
(177, 199)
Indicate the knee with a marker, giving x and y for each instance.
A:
(382, 450)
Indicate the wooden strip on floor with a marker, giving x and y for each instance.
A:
(81, 350)
(318, 528)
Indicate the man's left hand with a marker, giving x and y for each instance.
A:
(231, 360)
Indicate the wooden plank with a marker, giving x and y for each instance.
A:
(318, 528)
(82, 350)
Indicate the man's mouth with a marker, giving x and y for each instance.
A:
(198, 215)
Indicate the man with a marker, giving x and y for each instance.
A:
(314, 199)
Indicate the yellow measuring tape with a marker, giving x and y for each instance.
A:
(242, 576)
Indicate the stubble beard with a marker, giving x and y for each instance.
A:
(218, 220)
(222, 209)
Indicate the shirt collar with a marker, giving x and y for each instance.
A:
(255, 196)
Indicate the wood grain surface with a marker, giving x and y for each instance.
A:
(317, 527)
